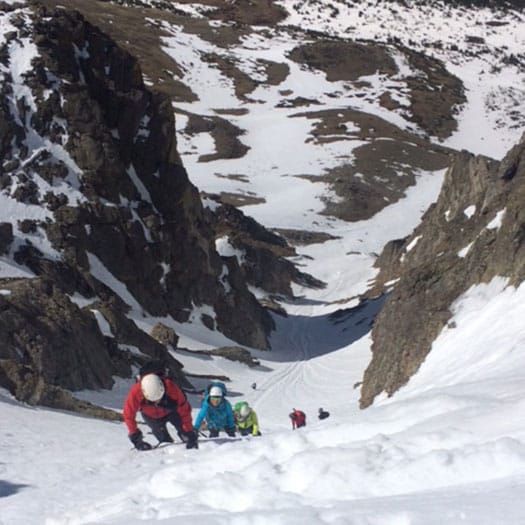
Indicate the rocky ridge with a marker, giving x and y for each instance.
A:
(429, 96)
(473, 233)
(113, 227)
(147, 226)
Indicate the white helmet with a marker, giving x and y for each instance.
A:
(244, 411)
(152, 387)
(216, 391)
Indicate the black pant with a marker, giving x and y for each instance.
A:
(214, 432)
(158, 426)
(247, 431)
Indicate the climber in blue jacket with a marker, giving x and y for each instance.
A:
(217, 411)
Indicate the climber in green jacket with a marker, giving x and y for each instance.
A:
(246, 419)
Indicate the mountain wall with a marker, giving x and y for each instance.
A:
(474, 232)
(101, 224)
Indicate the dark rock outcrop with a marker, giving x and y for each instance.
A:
(29, 387)
(434, 94)
(40, 326)
(6, 236)
(232, 353)
(474, 232)
(165, 335)
(236, 353)
(263, 263)
(121, 229)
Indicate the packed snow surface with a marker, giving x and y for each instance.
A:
(448, 448)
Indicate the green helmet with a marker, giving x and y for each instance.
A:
(242, 410)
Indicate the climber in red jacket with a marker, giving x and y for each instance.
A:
(298, 418)
(160, 401)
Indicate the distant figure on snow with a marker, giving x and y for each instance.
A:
(323, 414)
(160, 401)
(298, 418)
(246, 419)
(254, 385)
(218, 413)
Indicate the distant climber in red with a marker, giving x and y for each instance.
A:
(298, 418)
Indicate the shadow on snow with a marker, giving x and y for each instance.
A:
(299, 337)
(8, 489)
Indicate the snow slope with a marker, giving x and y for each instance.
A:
(449, 448)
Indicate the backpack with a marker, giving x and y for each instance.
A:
(220, 384)
(152, 367)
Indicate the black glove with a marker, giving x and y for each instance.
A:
(140, 444)
(230, 431)
(191, 440)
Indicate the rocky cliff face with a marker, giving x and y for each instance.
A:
(263, 264)
(474, 232)
(108, 227)
(100, 228)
